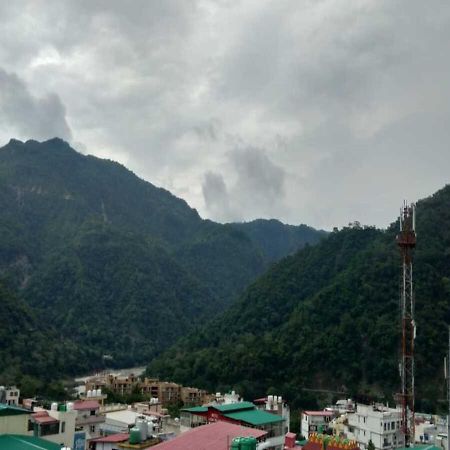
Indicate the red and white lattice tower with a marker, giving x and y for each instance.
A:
(406, 241)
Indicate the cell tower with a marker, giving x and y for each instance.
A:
(406, 240)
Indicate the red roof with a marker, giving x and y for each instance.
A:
(318, 413)
(43, 417)
(212, 436)
(86, 404)
(119, 437)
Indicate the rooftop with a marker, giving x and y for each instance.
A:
(318, 413)
(212, 436)
(8, 410)
(19, 442)
(254, 417)
(196, 409)
(86, 404)
(119, 437)
(233, 406)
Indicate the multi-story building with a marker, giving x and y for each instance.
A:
(88, 419)
(55, 425)
(166, 392)
(9, 395)
(377, 423)
(244, 414)
(315, 422)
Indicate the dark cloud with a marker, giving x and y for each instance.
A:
(299, 109)
(27, 116)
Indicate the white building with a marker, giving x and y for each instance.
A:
(377, 423)
(315, 421)
(9, 395)
(88, 419)
(55, 425)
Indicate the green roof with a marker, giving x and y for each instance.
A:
(19, 442)
(255, 417)
(234, 406)
(196, 409)
(8, 410)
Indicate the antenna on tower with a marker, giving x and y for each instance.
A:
(406, 241)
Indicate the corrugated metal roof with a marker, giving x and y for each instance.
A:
(195, 409)
(233, 406)
(254, 417)
(86, 404)
(216, 435)
(19, 442)
(8, 410)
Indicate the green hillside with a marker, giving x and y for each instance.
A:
(113, 263)
(328, 318)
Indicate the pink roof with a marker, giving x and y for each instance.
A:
(318, 413)
(291, 435)
(212, 436)
(119, 437)
(86, 404)
(260, 400)
(43, 417)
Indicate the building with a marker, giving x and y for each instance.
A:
(166, 392)
(217, 435)
(13, 420)
(320, 441)
(315, 422)
(55, 425)
(377, 423)
(88, 419)
(275, 405)
(21, 442)
(9, 395)
(244, 414)
(110, 442)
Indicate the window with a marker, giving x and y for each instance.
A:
(92, 428)
(30, 425)
(392, 425)
(63, 427)
(92, 412)
(385, 426)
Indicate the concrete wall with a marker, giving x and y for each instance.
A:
(17, 424)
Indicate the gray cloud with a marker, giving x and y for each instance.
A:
(28, 116)
(255, 187)
(326, 101)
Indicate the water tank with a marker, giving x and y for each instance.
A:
(62, 407)
(70, 406)
(54, 406)
(248, 443)
(141, 424)
(236, 444)
(135, 436)
(89, 394)
(99, 392)
(151, 428)
(270, 398)
(280, 399)
(275, 400)
(217, 394)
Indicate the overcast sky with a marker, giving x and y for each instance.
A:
(310, 111)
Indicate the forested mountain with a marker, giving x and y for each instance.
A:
(328, 317)
(112, 263)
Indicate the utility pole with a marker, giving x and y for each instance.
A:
(406, 241)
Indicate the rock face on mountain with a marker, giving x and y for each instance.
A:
(112, 263)
(328, 318)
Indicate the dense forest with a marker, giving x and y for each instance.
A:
(98, 265)
(328, 318)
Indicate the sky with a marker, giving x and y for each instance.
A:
(310, 111)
